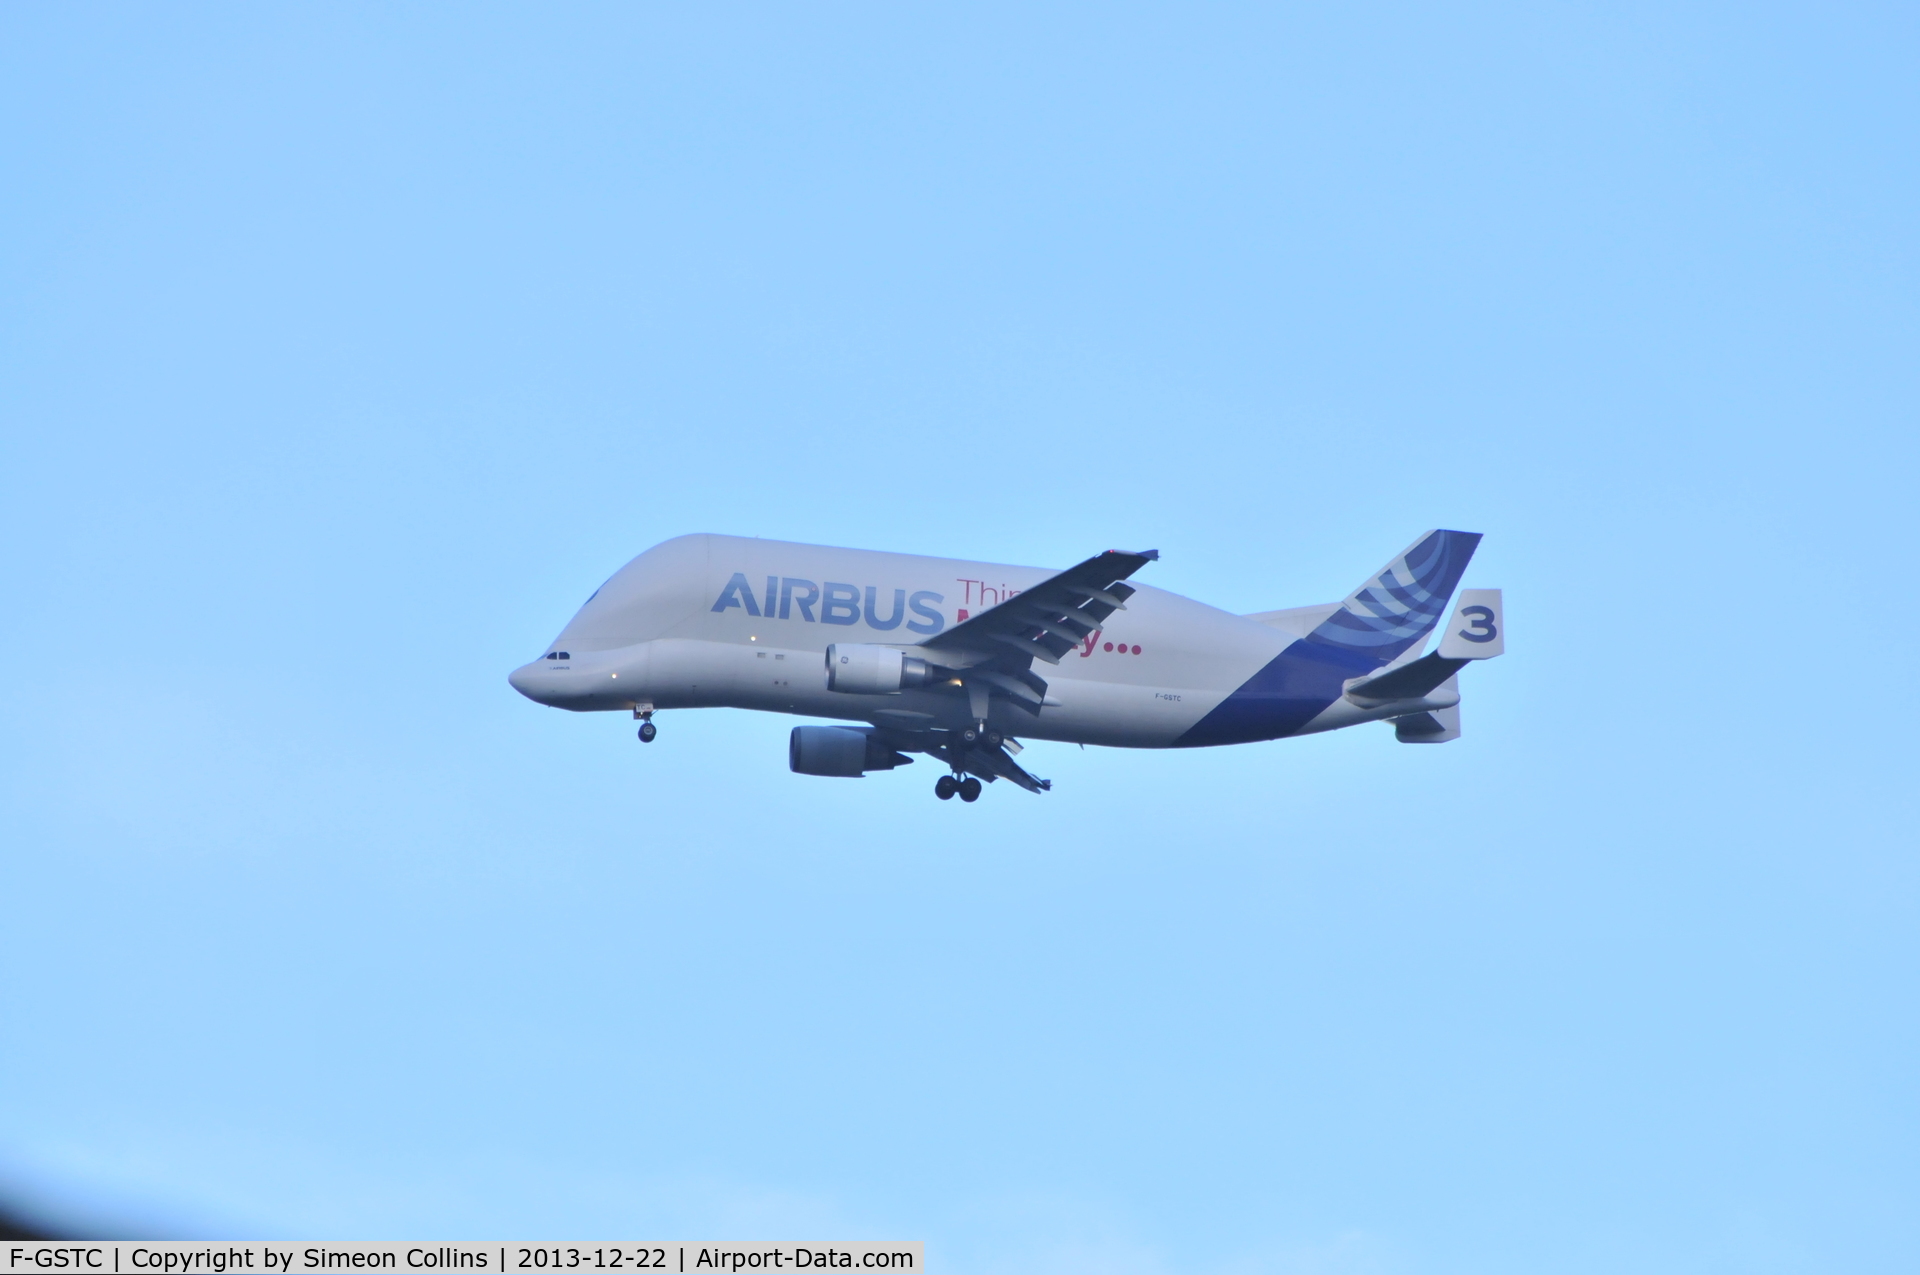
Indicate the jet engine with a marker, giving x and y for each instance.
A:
(841, 751)
(860, 668)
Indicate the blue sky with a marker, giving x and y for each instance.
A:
(345, 350)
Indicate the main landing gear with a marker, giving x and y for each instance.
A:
(647, 729)
(974, 736)
(947, 785)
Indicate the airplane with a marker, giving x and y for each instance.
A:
(953, 659)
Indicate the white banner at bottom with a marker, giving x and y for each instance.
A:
(681, 1257)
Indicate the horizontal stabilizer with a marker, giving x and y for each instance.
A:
(1409, 681)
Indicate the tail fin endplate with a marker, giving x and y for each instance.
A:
(1478, 629)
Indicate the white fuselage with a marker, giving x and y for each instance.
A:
(721, 621)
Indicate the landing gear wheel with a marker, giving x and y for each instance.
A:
(969, 735)
(945, 787)
(647, 731)
(969, 789)
(994, 739)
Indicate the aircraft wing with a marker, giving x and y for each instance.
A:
(1054, 616)
(996, 649)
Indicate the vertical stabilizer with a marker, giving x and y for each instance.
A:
(1401, 603)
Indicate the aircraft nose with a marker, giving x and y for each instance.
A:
(521, 679)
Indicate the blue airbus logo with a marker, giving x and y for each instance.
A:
(838, 603)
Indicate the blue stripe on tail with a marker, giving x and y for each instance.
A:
(1399, 606)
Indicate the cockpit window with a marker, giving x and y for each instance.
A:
(557, 655)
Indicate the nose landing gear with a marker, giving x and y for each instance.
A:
(647, 729)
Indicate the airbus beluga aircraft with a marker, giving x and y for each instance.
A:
(953, 659)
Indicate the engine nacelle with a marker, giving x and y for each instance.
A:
(841, 751)
(860, 668)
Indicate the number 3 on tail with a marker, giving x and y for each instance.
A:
(1480, 627)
